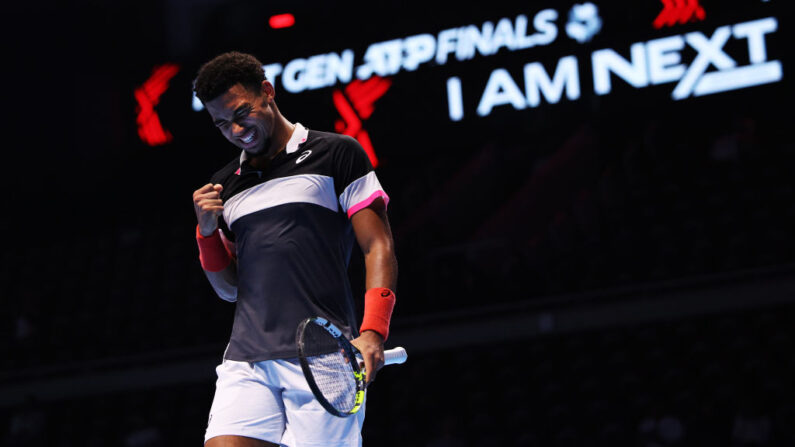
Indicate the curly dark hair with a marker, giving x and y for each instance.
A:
(225, 70)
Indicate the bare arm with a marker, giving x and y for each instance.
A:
(374, 236)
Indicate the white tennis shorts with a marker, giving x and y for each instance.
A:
(271, 401)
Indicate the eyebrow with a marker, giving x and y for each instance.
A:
(239, 108)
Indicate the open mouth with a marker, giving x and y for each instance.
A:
(248, 137)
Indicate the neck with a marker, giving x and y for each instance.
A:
(282, 132)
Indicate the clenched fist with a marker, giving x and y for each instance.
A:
(208, 206)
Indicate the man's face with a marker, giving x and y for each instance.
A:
(244, 117)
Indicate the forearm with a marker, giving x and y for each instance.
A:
(381, 268)
(225, 281)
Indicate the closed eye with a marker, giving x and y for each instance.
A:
(242, 113)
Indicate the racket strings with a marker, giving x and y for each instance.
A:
(330, 369)
(334, 377)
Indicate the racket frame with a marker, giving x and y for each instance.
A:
(347, 349)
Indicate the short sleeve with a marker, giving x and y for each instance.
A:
(356, 184)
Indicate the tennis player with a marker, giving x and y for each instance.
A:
(275, 230)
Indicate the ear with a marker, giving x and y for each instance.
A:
(268, 90)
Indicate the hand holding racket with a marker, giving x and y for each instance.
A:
(370, 345)
(332, 366)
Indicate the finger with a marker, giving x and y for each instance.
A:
(210, 200)
(208, 195)
(210, 203)
(206, 188)
(379, 361)
(218, 187)
(369, 367)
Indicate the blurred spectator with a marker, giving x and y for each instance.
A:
(450, 434)
(26, 427)
(23, 329)
(148, 436)
(751, 427)
(741, 142)
(666, 430)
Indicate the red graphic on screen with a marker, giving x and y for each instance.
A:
(355, 106)
(148, 96)
(679, 12)
(281, 21)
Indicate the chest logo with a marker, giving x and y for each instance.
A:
(303, 156)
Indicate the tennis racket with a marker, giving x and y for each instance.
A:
(333, 367)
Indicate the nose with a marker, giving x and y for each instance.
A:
(236, 129)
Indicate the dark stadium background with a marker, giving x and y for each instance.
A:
(613, 270)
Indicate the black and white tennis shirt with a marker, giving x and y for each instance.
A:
(291, 226)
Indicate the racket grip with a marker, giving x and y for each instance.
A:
(395, 356)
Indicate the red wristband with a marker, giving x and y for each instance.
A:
(378, 305)
(212, 253)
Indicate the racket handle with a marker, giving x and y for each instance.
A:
(395, 356)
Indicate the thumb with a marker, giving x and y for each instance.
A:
(218, 187)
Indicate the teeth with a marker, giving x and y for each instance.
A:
(248, 137)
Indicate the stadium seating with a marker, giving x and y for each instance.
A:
(721, 379)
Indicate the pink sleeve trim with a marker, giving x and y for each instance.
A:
(366, 202)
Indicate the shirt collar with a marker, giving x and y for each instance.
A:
(299, 136)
